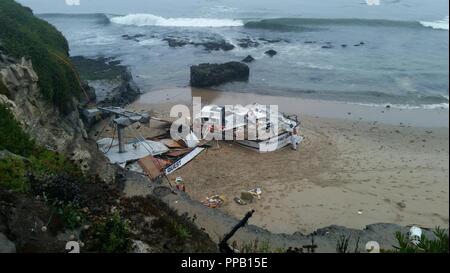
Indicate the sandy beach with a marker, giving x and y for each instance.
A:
(350, 171)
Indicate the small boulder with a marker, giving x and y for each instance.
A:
(247, 42)
(271, 52)
(176, 42)
(248, 59)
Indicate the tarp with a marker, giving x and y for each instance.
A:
(135, 151)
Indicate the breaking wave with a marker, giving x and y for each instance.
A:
(440, 24)
(302, 24)
(405, 106)
(154, 20)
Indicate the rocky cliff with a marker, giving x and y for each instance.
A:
(38, 117)
(55, 186)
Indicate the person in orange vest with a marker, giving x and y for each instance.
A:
(179, 184)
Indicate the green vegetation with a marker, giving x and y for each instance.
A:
(3, 89)
(13, 175)
(111, 235)
(256, 247)
(438, 245)
(181, 231)
(342, 245)
(36, 161)
(71, 215)
(24, 35)
(12, 138)
(98, 69)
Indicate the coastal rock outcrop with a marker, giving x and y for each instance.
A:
(215, 45)
(247, 42)
(6, 246)
(111, 82)
(207, 44)
(204, 75)
(176, 42)
(271, 52)
(248, 59)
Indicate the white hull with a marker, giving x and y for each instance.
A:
(269, 145)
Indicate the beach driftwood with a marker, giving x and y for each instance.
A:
(224, 247)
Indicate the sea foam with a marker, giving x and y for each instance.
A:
(154, 20)
(439, 24)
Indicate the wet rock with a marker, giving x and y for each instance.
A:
(6, 246)
(140, 247)
(247, 42)
(215, 45)
(206, 74)
(248, 59)
(359, 44)
(273, 41)
(327, 46)
(132, 37)
(176, 42)
(109, 81)
(271, 52)
(344, 45)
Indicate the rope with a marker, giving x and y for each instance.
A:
(112, 141)
(74, 72)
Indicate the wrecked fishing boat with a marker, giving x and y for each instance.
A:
(255, 126)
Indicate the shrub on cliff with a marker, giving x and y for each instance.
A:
(24, 35)
(36, 161)
(12, 138)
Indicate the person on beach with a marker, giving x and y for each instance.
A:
(295, 139)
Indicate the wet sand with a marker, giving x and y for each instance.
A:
(362, 167)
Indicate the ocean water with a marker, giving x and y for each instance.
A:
(396, 51)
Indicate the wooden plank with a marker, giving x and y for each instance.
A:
(149, 167)
(171, 143)
(177, 153)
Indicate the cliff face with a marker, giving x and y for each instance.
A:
(38, 117)
(55, 186)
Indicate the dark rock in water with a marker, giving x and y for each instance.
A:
(110, 82)
(207, 45)
(271, 52)
(204, 75)
(176, 42)
(328, 46)
(273, 41)
(310, 42)
(133, 37)
(248, 59)
(247, 42)
(344, 45)
(360, 44)
(216, 45)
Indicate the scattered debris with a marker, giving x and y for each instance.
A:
(214, 201)
(256, 192)
(179, 184)
(247, 197)
(240, 201)
(415, 235)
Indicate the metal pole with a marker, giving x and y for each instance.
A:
(120, 130)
